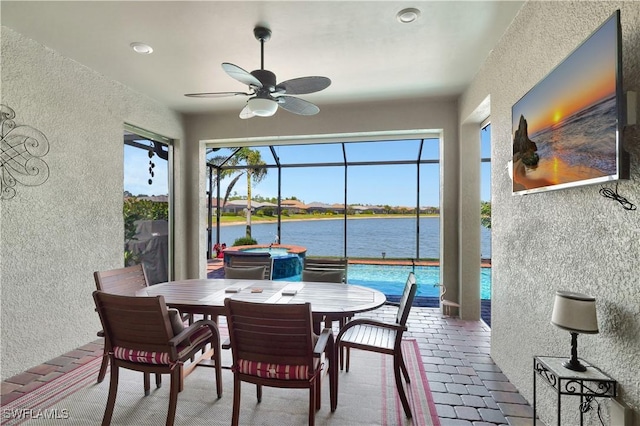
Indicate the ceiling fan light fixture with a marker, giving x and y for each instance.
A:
(142, 48)
(406, 16)
(262, 107)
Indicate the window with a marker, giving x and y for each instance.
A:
(147, 204)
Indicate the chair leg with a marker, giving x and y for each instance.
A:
(217, 357)
(397, 362)
(176, 376)
(180, 377)
(259, 393)
(235, 417)
(111, 400)
(318, 390)
(103, 367)
(147, 384)
(348, 358)
(312, 404)
(333, 376)
(158, 380)
(403, 366)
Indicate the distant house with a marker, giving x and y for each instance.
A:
(294, 206)
(317, 207)
(337, 208)
(239, 206)
(364, 209)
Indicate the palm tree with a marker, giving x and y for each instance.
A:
(224, 173)
(485, 214)
(248, 157)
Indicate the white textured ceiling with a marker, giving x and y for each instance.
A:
(360, 46)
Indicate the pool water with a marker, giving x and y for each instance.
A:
(390, 279)
(273, 251)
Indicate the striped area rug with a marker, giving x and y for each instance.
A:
(367, 396)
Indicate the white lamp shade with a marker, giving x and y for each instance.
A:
(575, 312)
(262, 107)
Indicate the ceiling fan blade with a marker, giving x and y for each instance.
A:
(246, 113)
(216, 94)
(303, 85)
(241, 75)
(297, 106)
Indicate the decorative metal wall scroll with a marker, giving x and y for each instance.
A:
(21, 150)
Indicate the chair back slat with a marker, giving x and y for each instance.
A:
(122, 281)
(248, 260)
(325, 264)
(270, 333)
(140, 323)
(406, 301)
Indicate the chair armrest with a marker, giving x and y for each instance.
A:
(192, 329)
(326, 337)
(367, 321)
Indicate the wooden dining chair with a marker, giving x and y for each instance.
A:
(141, 337)
(124, 282)
(245, 273)
(314, 266)
(273, 345)
(382, 337)
(328, 270)
(237, 259)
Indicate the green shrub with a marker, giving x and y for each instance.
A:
(245, 241)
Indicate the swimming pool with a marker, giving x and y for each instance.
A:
(273, 251)
(390, 279)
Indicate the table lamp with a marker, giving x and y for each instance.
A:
(576, 313)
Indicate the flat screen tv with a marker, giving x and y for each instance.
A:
(567, 130)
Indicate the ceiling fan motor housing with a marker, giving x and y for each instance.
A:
(267, 78)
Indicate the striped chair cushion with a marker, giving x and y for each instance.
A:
(274, 371)
(146, 357)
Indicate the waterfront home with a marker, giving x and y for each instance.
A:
(68, 75)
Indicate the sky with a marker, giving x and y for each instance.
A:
(393, 185)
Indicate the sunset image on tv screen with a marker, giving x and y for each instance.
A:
(565, 128)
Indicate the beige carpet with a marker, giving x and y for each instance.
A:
(367, 396)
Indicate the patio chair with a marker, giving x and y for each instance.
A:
(386, 338)
(244, 273)
(322, 269)
(124, 282)
(316, 266)
(236, 259)
(273, 345)
(140, 337)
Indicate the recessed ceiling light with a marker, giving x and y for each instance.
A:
(408, 15)
(141, 48)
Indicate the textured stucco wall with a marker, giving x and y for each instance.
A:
(55, 235)
(570, 239)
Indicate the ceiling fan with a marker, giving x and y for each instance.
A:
(265, 94)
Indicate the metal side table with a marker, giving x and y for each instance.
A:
(587, 385)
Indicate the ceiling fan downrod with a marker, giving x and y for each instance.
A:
(262, 34)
